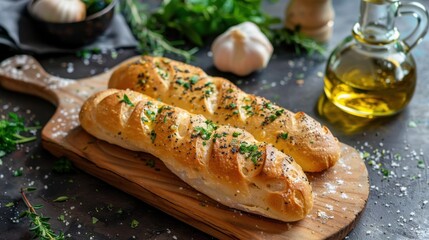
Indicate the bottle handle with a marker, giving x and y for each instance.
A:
(418, 11)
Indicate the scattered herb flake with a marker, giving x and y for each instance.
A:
(94, 220)
(385, 172)
(421, 164)
(63, 165)
(250, 151)
(125, 99)
(9, 204)
(194, 79)
(248, 109)
(144, 119)
(61, 199)
(17, 173)
(283, 136)
(205, 133)
(61, 218)
(236, 134)
(153, 136)
(150, 114)
(232, 106)
(134, 223)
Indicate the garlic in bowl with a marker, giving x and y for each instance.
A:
(242, 49)
(63, 11)
(61, 20)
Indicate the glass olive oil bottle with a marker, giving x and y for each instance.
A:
(372, 72)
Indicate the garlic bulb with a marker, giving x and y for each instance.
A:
(59, 11)
(242, 49)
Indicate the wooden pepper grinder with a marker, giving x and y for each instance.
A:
(314, 17)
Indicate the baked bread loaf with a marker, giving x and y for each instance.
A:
(223, 162)
(310, 144)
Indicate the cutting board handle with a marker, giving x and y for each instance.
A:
(23, 73)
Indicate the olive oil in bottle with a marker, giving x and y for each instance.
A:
(372, 73)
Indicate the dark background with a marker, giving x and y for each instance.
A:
(397, 207)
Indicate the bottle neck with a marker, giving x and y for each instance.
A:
(377, 22)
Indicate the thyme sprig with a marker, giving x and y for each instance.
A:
(39, 224)
(149, 40)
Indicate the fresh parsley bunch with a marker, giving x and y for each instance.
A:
(10, 133)
(199, 20)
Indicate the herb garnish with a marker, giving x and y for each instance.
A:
(182, 83)
(134, 223)
(151, 114)
(205, 133)
(194, 79)
(249, 109)
(151, 40)
(144, 119)
(39, 224)
(152, 136)
(199, 20)
(61, 199)
(268, 105)
(236, 134)
(17, 173)
(272, 117)
(63, 165)
(231, 106)
(250, 151)
(94, 220)
(125, 99)
(283, 136)
(10, 133)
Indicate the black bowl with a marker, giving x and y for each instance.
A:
(76, 34)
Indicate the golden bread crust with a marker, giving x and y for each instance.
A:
(226, 163)
(312, 145)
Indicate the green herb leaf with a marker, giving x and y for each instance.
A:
(63, 165)
(236, 134)
(17, 173)
(248, 109)
(205, 133)
(421, 164)
(94, 220)
(385, 172)
(9, 204)
(250, 151)
(61, 218)
(10, 133)
(194, 79)
(125, 99)
(134, 223)
(150, 114)
(61, 199)
(283, 136)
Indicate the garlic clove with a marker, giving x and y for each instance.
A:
(59, 11)
(241, 50)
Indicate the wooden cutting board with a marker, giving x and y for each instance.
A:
(340, 193)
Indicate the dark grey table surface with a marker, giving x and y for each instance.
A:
(397, 208)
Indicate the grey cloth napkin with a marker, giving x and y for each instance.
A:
(17, 30)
